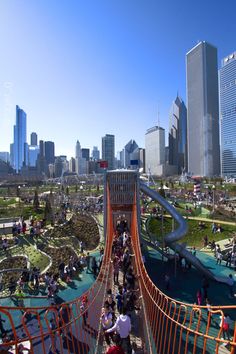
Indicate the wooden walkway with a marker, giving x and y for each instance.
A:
(135, 340)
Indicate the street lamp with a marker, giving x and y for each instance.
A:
(213, 197)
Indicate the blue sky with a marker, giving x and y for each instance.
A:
(82, 69)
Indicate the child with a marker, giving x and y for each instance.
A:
(83, 308)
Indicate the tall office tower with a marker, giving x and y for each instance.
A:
(5, 156)
(41, 162)
(177, 154)
(49, 151)
(108, 150)
(12, 155)
(227, 85)
(72, 164)
(33, 139)
(19, 139)
(129, 153)
(155, 151)
(203, 110)
(85, 153)
(33, 152)
(80, 162)
(95, 153)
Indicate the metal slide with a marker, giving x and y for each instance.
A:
(176, 235)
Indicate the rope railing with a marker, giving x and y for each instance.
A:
(178, 327)
(169, 326)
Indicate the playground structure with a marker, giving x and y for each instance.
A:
(167, 326)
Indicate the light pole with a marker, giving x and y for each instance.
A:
(162, 235)
(213, 198)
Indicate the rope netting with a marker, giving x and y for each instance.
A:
(168, 326)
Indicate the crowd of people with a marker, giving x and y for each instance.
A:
(121, 307)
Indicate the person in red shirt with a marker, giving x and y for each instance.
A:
(115, 349)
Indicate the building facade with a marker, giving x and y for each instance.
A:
(95, 153)
(33, 139)
(108, 150)
(5, 156)
(155, 151)
(19, 139)
(177, 154)
(130, 155)
(203, 110)
(227, 87)
(49, 148)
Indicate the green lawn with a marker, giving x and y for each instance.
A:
(194, 237)
(25, 247)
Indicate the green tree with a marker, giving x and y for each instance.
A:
(162, 192)
(67, 190)
(48, 210)
(36, 201)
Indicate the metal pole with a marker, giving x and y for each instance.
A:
(162, 236)
(173, 228)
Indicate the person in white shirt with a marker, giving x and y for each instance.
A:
(123, 327)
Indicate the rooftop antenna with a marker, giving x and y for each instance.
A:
(158, 116)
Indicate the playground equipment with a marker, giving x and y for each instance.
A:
(166, 325)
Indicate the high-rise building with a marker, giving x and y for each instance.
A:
(108, 150)
(85, 153)
(41, 162)
(227, 85)
(5, 156)
(80, 162)
(72, 165)
(203, 110)
(33, 139)
(49, 150)
(155, 151)
(33, 152)
(177, 154)
(19, 139)
(130, 154)
(95, 153)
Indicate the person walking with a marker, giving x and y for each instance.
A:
(106, 321)
(123, 327)
(116, 348)
(231, 286)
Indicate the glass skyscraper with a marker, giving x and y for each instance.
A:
(108, 150)
(178, 135)
(203, 110)
(19, 144)
(227, 85)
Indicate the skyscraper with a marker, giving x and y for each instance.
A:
(178, 134)
(155, 151)
(80, 162)
(108, 150)
(129, 154)
(49, 149)
(227, 85)
(19, 139)
(33, 139)
(85, 153)
(203, 111)
(95, 153)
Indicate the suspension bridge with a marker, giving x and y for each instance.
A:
(164, 324)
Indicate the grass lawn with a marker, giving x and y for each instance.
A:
(25, 247)
(194, 237)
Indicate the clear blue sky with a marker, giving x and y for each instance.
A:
(81, 69)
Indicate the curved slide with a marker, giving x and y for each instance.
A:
(176, 235)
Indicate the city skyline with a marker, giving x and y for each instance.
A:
(105, 68)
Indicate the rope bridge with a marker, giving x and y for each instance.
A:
(166, 325)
